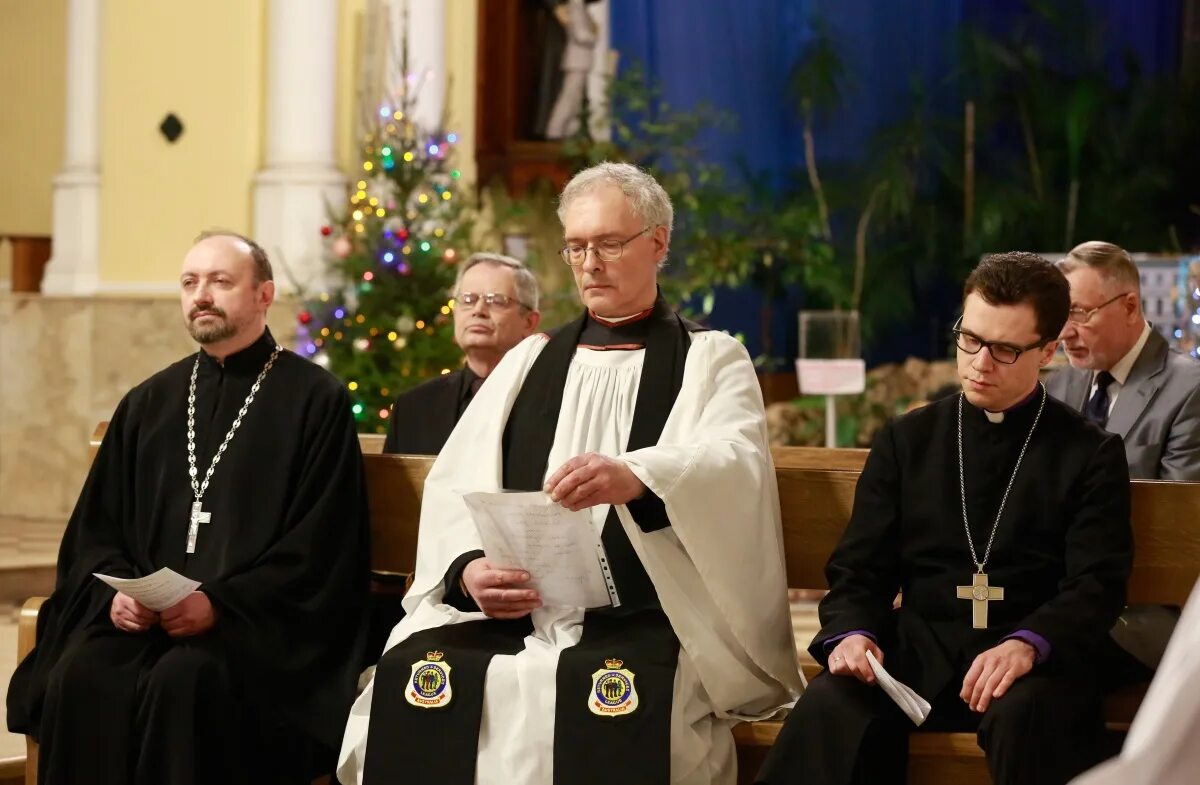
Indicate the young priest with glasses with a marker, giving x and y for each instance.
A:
(1002, 516)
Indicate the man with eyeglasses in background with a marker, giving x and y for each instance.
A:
(1002, 516)
(1125, 378)
(1123, 375)
(653, 429)
(495, 308)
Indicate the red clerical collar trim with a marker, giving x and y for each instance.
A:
(614, 347)
(636, 318)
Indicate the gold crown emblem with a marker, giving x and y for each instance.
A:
(614, 664)
(434, 656)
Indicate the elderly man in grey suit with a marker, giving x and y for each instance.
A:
(1123, 376)
(1126, 379)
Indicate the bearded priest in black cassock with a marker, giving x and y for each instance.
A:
(657, 430)
(248, 678)
(1004, 597)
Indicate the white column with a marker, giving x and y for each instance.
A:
(604, 70)
(300, 179)
(426, 40)
(74, 267)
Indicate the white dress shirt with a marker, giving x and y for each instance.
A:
(1120, 371)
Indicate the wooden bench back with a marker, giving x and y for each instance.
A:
(816, 494)
(816, 504)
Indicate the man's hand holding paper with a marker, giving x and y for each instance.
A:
(590, 479)
(527, 534)
(500, 593)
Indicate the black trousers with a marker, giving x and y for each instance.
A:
(143, 709)
(1044, 731)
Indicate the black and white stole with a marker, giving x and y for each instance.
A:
(409, 744)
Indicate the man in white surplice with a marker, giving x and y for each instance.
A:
(657, 428)
(1161, 745)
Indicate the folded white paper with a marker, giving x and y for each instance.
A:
(913, 705)
(157, 591)
(557, 547)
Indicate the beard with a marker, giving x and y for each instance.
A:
(213, 331)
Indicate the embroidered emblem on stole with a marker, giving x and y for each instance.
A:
(613, 693)
(429, 687)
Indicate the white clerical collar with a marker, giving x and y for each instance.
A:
(998, 417)
(1120, 371)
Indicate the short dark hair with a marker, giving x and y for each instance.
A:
(262, 265)
(1020, 277)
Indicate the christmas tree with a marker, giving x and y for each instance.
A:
(385, 325)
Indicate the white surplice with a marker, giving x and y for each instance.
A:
(1161, 746)
(718, 569)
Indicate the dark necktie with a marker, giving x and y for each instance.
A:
(1097, 408)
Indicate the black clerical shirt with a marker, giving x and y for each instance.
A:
(1062, 551)
(423, 417)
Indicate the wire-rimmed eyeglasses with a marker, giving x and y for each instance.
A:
(606, 250)
(1079, 315)
(492, 299)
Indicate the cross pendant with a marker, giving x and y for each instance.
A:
(980, 594)
(198, 517)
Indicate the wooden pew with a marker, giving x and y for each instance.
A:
(816, 504)
(816, 490)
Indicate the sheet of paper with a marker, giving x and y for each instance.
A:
(157, 591)
(912, 704)
(558, 548)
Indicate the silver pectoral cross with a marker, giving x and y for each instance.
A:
(198, 517)
(980, 594)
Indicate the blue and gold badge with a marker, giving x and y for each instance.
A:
(429, 687)
(613, 693)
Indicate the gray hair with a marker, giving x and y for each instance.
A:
(524, 282)
(1112, 262)
(262, 264)
(647, 199)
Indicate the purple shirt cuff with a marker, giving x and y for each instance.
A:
(836, 639)
(1040, 644)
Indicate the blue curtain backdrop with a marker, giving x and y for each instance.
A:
(737, 55)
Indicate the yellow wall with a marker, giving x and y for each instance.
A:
(462, 24)
(33, 46)
(460, 50)
(350, 15)
(204, 62)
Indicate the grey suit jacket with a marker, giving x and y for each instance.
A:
(1157, 412)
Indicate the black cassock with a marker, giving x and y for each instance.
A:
(1062, 554)
(423, 417)
(421, 421)
(262, 697)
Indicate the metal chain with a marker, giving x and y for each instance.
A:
(198, 489)
(962, 483)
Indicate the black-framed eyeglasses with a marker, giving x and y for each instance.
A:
(605, 250)
(1001, 352)
(492, 299)
(1084, 315)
